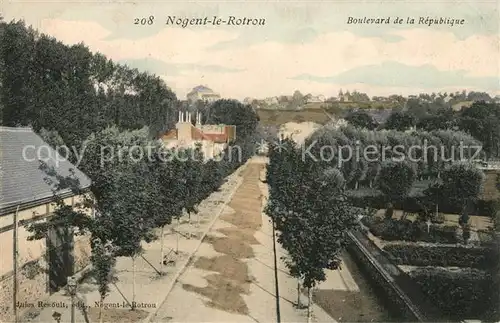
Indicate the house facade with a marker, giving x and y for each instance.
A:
(27, 195)
(189, 132)
(316, 99)
(202, 93)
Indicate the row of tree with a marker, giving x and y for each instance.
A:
(460, 184)
(47, 84)
(481, 120)
(134, 195)
(359, 153)
(310, 212)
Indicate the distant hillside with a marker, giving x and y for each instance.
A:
(279, 117)
(298, 131)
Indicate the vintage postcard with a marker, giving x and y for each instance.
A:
(249, 161)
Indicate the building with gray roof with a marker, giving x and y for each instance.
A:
(23, 181)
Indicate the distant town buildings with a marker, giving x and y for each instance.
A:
(344, 97)
(202, 93)
(314, 99)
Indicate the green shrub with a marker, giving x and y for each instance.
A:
(463, 294)
(486, 208)
(406, 230)
(438, 219)
(374, 199)
(444, 256)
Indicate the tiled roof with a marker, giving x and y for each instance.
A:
(215, 137)
(22, 180)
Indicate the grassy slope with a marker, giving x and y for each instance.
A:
(274, 117)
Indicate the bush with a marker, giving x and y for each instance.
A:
(406, 230)
(411, 205)
(462, 294)
(444, 256)
(438, 219)
(486, 208)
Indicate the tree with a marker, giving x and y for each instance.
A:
(436, 122)
(462, 184)
(433, 195)
(361, 119)
(482, 120)
(395, 181)
(47, 84)
(400, 121)
(232, 112)
(103, 259)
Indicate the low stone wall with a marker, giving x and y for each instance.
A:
(399, 292)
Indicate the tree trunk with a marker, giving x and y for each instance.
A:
(464, 217)
(178, 234)
(100, 310)
(309, 305)
(162, 253)
(298, 294)
(133, 283)
(356, 185)
(371, 183)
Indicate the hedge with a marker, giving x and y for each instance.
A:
(409, 204)
(406, 230)
(444, 256)
(463, 294)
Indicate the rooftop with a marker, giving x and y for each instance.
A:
(23, 180)
(202, 88)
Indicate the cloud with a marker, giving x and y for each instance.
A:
(160, 67)
(270, 66)
(393, 74)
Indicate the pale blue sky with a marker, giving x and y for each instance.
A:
(306, 46)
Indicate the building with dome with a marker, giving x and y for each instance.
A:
(202, 93)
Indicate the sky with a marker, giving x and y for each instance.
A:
(306, 46)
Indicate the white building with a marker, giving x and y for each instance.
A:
(213, 139)
(202, 93)
(316, 99)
